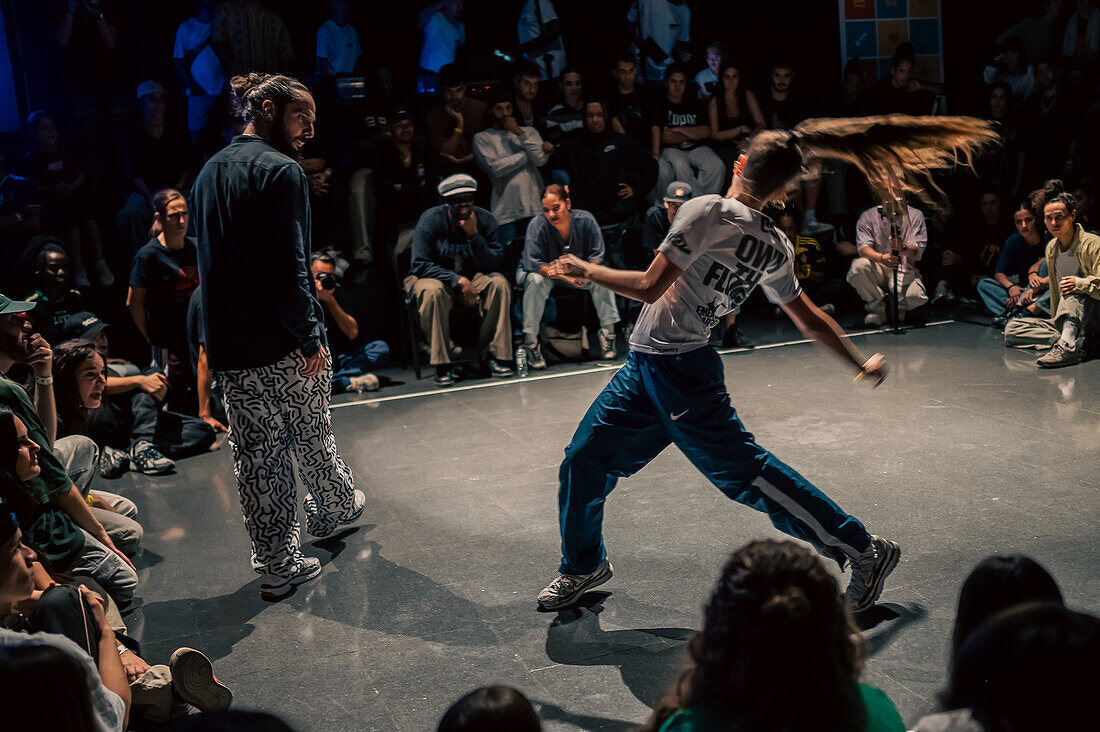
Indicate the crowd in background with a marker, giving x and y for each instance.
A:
(454, 196)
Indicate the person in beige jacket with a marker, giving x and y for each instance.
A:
(1073, 264)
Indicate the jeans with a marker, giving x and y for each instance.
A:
(80, 458)
(538, 288)
(357, 362)
(657, 400)
(993, 295)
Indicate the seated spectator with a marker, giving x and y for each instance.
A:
(707, 80)
(338, 48)
(76, 617)
(734, 115)
(63, 189)
(1011, 66)
(163, 276)
(1073, 267)
(565, 119)
(61, 523)
(679, 126)
(538, 31)
(610, 175)
(561, 230)
(407, 175)
(629, 104)
(1081, 39)
(249, 37)
(53, 296)
(1041, 31)
(872, 272)
(901, 92)
(1026, 669)
(453, 123)
(998, 583)
(1016, 285)
(1084, 191)
(1049, 125)
(526, 105)
(658, 220)
(1000, 168)
(444, 34)
(778, 650)
(159, 159)
(511, 156)
(662, 30)
(491, 708)
(812, 263)
(198, 67)
(20, 221)
(455, 254)
(351, 361)
(127, 423)
(974, 257)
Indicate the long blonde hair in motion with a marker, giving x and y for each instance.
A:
(896, 153)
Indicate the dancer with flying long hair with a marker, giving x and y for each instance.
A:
(672, 388)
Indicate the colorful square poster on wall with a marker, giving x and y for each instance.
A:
(872, 30)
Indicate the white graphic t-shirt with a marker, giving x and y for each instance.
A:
(725, 249)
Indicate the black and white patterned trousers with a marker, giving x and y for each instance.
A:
(276, 416)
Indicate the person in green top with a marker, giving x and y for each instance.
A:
(778, 650)
(63, 526)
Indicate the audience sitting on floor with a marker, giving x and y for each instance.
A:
(1017, 287)
(511, 156)
(562, 230)
(491, 708)
(1073, 270)
(52, 293)
(456, 256)
(733, 114)
(352, 361)
(872, 273)
(778, 650)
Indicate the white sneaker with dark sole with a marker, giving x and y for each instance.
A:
(566, 589)
(869, 572)
(275, 587)
(323, 532)
(195, 683)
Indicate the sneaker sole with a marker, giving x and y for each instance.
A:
(194, 681)
(284, 588)
(595, 581)
(876, 587)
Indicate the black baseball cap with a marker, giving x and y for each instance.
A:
(84, 325)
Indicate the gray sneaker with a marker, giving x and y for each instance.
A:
(607, 344)
(113, 462)
(195, 683)
(145, 458)
(276, 586)
(1061, 355)
(324, 529)
(869, 571)
(535, 359)
(566, 589)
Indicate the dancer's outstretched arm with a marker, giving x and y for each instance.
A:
(645, 286)
(816, 324)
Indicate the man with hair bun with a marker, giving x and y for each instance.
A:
(263, 330)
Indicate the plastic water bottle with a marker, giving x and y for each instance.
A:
(521, 361)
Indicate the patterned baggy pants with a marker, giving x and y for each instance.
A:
(276, 415)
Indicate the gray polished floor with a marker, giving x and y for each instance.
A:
(966, 451)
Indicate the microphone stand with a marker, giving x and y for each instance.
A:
(894, 210)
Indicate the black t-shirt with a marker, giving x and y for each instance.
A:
(168, 276)
(16, 195)
(885, 98)
(162, 162)
(338, 343)
(689, 112)
(782, 115)
(632, 111)
(49, 314)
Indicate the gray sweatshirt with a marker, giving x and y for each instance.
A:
(512, 162)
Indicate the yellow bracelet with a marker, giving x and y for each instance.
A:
(861, 374)
(89, 500)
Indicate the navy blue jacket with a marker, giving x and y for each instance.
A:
(543, 243)
(251, 205)
(442, 250)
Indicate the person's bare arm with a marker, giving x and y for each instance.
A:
(111, 671)
(655, 138)
(135, 301)
(696, 132)
(672, 135)
(647, 286)
(824, 330)
(755, 112)
(202, 392)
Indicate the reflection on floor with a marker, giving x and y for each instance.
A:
(968, 450)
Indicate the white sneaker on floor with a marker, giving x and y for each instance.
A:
(874, 319)
(869, 572)
(607, 344)
(327, 529)
(566, 589)
(195, 683)
(535, 359)
(275, 586)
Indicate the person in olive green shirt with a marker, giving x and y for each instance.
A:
(778, 650)
(62, 525)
